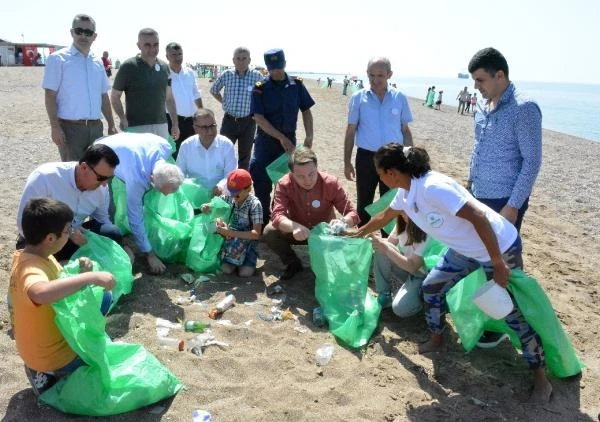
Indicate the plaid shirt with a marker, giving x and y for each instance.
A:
(243, 217)
(238, 90)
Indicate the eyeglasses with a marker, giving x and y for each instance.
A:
(100, 177)
(206, 127)
(87, 32)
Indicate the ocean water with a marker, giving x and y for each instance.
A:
(566, 107)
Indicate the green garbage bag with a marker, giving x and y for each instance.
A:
(167, 220)
(434, 250)
(195, 193)
(203, 254)
(279, 168)
(173, 149)
(119, 377)
(341, 266)
(108, 256)
(470, 321)
(380, 205)
(120, 200)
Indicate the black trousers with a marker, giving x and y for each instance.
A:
(242, 131)
(366, 182)
(186, 129)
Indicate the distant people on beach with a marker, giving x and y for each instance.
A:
(431, 97)
(360, 84)
(376, 116)
(473, 102)
(468, 103)
(508, 141)
(319, 82)
(427, 96)
(346, 83)
(438, 103)
(146, 82)
(76, 93)
(276, 102)
(462, 98)
(237, 85)
(107, 64)
(329, 82)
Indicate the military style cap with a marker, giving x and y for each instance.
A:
(274, 59)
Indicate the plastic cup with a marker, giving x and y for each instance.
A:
(494, 300)
(324, 354)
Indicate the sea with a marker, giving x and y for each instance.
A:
(569, 108)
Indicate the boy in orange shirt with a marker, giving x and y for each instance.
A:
(34, 286)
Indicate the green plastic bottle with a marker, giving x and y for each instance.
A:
(195, 326)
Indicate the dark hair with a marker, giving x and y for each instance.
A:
(302, 156)
(391, 156)
(413, 232)
(147, 31)
(96, 152)
(490, 60)
(173, 46)
(44, 216)
(85, 18)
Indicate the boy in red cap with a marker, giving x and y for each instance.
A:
(240, 250)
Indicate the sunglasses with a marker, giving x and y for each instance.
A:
(100, 177)
(87, 32)
(206, 127)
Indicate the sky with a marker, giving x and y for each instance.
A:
(542, 40)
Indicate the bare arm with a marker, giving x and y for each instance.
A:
(407, 134)
(307, 119)
(271, 131)
(217, 96)
(172, 109)
(253, 234)
(483, 228)
(107, 112)
(48, 292)
(299, 231)
(56, 132)
(198, 102)
(377, 222)
(410, 264)
(115, 100)
(348, 147)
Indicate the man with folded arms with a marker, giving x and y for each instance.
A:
(76, 93)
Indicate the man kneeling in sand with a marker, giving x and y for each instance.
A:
(304, 198)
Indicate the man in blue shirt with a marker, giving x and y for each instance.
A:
(275, 104)
(376, 117)
(507, 153)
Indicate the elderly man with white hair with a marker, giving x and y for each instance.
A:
(143, 165)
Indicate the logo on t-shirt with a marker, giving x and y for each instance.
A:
(435, 220)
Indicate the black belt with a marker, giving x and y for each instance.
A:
(231, 116)
(184, 118)
(365, 151)
(81, 122)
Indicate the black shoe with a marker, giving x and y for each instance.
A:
(40, 381)
(491, 339)
(291, 270)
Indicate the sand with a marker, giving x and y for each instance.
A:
(269, 371)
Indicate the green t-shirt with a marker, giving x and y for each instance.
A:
(145, 90)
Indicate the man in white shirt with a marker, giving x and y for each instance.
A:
(188, 97)
(76, 93)
(207, 156)
(83, 187)
(142, 166)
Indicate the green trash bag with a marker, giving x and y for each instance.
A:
(119, 196)
(108, 256)
(434, 250)
(341, 266)
(470, 321)
(203, 254)
(167, 220)
(173, 149)
(196, 193)
(119, 377)
(380, 205)
(279, 168)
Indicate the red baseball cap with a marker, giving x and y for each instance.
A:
(238, 180)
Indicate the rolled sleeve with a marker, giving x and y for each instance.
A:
(217, 86)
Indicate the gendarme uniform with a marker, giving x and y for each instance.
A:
(279, 102)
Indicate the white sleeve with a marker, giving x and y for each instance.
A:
(34, 188)
(101, 214)
(135, 213)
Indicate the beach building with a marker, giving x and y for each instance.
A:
(25, 54)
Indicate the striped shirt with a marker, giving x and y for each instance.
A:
(238, 90)
(507, 154)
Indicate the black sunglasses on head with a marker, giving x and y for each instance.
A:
(100, 177)
(86, 32)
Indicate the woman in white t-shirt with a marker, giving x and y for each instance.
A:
(400, 257)
(476, 236)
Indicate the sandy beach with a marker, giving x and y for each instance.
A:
(269, 371)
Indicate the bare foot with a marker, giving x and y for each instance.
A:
(434, 344)
(542, 389)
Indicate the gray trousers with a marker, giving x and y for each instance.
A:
(77, 139)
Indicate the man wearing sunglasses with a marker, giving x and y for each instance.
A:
(83, 186)
(76, 93)
(207, 157)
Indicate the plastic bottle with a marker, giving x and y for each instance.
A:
(318, 317)
(201, 416)
(171, 343)
(222, 306)
(195, 326)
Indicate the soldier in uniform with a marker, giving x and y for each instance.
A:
(276, 101)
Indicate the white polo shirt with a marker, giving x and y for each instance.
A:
(432, 203)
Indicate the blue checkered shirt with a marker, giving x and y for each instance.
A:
(507, 154)
(245, 216)
(238, 90)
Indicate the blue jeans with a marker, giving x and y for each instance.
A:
(498, 203)
(452, 268)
